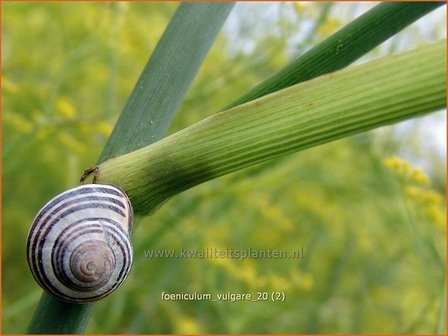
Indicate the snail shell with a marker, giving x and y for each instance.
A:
(78, 247)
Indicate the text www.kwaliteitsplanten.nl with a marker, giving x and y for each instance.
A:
(228, 253)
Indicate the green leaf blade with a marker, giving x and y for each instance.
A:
(344, 47)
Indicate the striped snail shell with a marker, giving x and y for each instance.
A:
(78, 247)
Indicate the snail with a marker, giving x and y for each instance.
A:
(78, 247)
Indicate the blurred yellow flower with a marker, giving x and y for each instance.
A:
(186, 325)
(105, 128)
(65, 108)
(426, 196)
(405, 170)
(307, 281)
(18, 122)
(417, 175)
(330, 26)
(299, 6)
(279, 284)
(430, 202)
(397, 165)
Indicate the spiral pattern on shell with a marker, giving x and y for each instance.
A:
(78, 247)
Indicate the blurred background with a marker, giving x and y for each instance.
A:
(369, 211)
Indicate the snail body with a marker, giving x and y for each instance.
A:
(78, 247)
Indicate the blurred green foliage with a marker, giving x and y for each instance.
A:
(372, 225)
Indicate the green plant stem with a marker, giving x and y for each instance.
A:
(145, 119)
(166, 77)
(53, 316)
(343, 47)
(324, 109)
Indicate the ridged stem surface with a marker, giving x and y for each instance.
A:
(324, 109)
